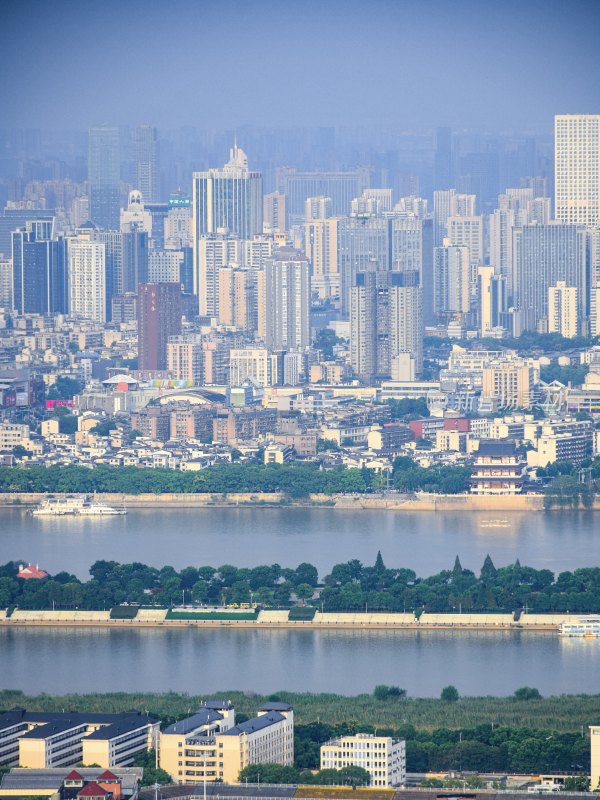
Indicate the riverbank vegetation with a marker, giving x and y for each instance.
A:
(350, 586)
(508, 734)
(296, 480)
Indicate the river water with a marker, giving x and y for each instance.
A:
(64, 660)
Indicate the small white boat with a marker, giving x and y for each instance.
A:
(74, 507)
(493, 523)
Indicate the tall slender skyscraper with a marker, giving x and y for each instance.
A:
(159, 318)
(285, 301)
(147, 163)
(577, 168)
(39, 274)
(87, 279)
(104, 177)
(229, 198)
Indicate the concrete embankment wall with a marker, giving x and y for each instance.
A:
(280, 619)
(390, 502)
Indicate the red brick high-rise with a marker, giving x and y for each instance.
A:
(159, 317)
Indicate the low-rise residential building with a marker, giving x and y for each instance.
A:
(41, 740)
(210, 746)
(382, 757)
(122, 783)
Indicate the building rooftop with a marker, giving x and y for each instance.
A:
(256, 724)
(275, 706)
(496, 448)
(127, 723)
(22, 780)
(204, 716)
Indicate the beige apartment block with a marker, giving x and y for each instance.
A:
(210, 746)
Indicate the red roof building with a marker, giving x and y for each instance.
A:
(93, 790)
(31, 571)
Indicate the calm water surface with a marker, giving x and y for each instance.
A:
(424, 541)
(79, 660)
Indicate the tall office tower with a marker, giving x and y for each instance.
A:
(254, 252)
(563, 312)
(159, 318)
(285, 301)
(185, 358)
(164, 266)
(124, 308)
(212, 252)
(6, 283)
(147, 169)
(229, 198)
(363, 244)
(318, 208)
(135, 259)
(178, 223)
(577, 168)
(406, 244)
(87, 279)
(135, 217)
(451, 280)
(492, 300)
(441, 212)
(113, 261)
(158, 214)
(405, 327)
(501, 225)
(412, 207)
(39, 270)
(463, 205)
(539, 210)
(386, 325)
(381, 197)
(537, 183)
(321, 249)
(593, 250)
(542, 256)
(427, 280)
(342, 187)
(238, 300)
(443, 166)
(13, 219)
(468, 232)
(104, 177)
(274, 212)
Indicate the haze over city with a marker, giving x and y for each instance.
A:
(472, 64)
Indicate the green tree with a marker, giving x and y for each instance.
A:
(354, 776)
(527, 693)
(449, 694)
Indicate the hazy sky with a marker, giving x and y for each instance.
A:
(225, 63)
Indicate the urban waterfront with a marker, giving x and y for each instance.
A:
(64, 660)
(245, 537)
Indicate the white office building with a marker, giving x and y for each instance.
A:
(87, 279)
(384, 758)
(577, 168)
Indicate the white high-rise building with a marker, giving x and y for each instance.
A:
(317, 208)
(285, 301)
(577, 168)
(321, 249)
(6, 283)
(451, 279)
(563, 316)
(211, 253)
(501, 224)
(87, 279)
(164, 266)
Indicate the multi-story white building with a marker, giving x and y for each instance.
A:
(6, 283)
(164, 266)
(321, 249)
(252, 363)
(563, 312)
(384, 758)
(12, 435)
(285, 301)
(451, 280)
(185, 358)
(577, 168)
(87, 279)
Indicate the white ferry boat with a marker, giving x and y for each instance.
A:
(74, 507)
(581, 626)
